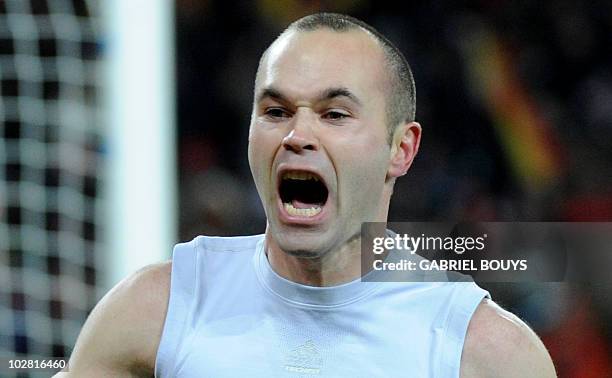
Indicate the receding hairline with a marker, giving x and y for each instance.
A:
(289, 31)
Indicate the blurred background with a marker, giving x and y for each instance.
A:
(514, 98)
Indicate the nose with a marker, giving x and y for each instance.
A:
(301, 136)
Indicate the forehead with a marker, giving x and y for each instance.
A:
(307, 62)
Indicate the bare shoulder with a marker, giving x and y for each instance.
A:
(499, 344)
(121, 335)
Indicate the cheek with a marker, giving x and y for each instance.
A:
(363, 169)
(262, 146)
(368, 175)
(257, 156)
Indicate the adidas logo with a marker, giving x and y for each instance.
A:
(304, 359)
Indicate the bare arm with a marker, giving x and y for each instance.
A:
(498, 344)
(121, 336)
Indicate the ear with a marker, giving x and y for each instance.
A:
(404, 147)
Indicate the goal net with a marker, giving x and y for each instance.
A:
(50, 173)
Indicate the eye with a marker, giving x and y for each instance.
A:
(276, 113)
(335, 115)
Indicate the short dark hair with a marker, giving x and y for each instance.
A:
(401, 101)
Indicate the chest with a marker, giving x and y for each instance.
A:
(268, 342)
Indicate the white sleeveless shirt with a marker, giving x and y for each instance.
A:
(231, 315)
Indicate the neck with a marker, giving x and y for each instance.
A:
(335, 267)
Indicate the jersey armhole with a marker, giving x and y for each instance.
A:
(181, 298)
(466, 299)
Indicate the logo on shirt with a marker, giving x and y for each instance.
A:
(304, 359)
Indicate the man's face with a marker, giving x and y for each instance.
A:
(318, 147)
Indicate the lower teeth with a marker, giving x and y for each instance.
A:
(311, 212)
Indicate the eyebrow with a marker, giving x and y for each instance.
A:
(327, 94)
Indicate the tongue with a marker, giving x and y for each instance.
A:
(302, 205)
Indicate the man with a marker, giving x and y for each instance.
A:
(332, 128)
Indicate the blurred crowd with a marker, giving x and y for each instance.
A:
(515, 102)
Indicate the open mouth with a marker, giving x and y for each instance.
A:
(303, 193)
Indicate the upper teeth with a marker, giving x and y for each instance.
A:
(300, 175)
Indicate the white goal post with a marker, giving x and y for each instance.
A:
(139, 102)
